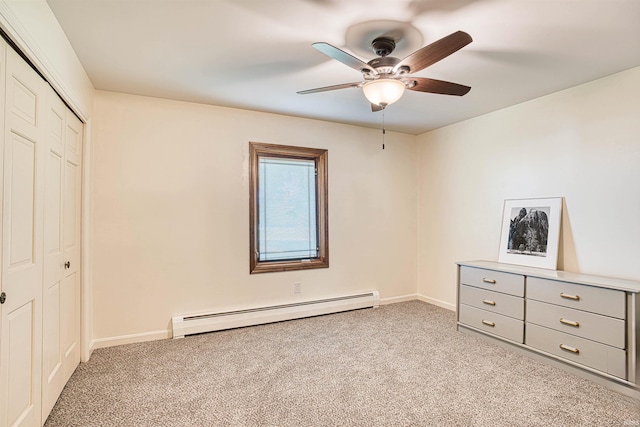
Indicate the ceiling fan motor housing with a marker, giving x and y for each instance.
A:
(384, 65)
(383, 46)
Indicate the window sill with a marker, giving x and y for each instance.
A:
(273, 266)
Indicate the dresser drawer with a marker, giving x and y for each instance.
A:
(586, 352)
(496, 324)
(507, 283)
(494, 302)
(606, 330)
(603, 301)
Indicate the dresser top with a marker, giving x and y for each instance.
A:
(564, 276)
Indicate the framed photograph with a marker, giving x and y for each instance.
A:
(531, 232)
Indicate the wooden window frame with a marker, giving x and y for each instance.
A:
(320, 156)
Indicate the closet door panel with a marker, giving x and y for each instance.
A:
(53, 288)
(22, 244)
(71, 232)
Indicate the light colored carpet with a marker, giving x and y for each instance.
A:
(399, 365)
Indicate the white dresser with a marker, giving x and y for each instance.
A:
(588, 322)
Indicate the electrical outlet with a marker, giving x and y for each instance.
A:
(297, 288)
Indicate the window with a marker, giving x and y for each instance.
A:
(288, 208)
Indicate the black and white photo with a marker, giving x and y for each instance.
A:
(530, 232)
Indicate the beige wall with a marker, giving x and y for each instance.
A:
(171, 212)
(170, 208)
(582, 144)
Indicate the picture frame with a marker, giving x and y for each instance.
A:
(531, 232)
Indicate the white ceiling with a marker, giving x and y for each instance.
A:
(255, 54)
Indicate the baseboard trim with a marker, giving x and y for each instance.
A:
(130, 339)
(401, 298)
(90, 349)
(439, 303)
(166, 334)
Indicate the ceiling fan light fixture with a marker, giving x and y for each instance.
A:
(383, 92)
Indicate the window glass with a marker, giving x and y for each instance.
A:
(287, 209)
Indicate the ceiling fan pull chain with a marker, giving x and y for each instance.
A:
(384, 131)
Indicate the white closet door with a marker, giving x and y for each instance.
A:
(70, 301)
(22, 244)
(61, 291)
(4, 376)
(53, 378)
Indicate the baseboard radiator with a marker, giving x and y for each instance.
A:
(209, 322)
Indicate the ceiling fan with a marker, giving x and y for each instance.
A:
(386, 77)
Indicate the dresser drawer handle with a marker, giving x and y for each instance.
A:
(570, 349)
(485, 280)
(570, 322)
(573, 297)
(486, 322)
(486, 301)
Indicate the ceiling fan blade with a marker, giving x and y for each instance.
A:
(327, 88)
(434, 52)
(376, 107)
(437, 86)
(345, 58)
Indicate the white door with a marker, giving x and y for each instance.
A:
(70, 301)
(22, 243)
(61, 291)
(3, 334)
(52, 371)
